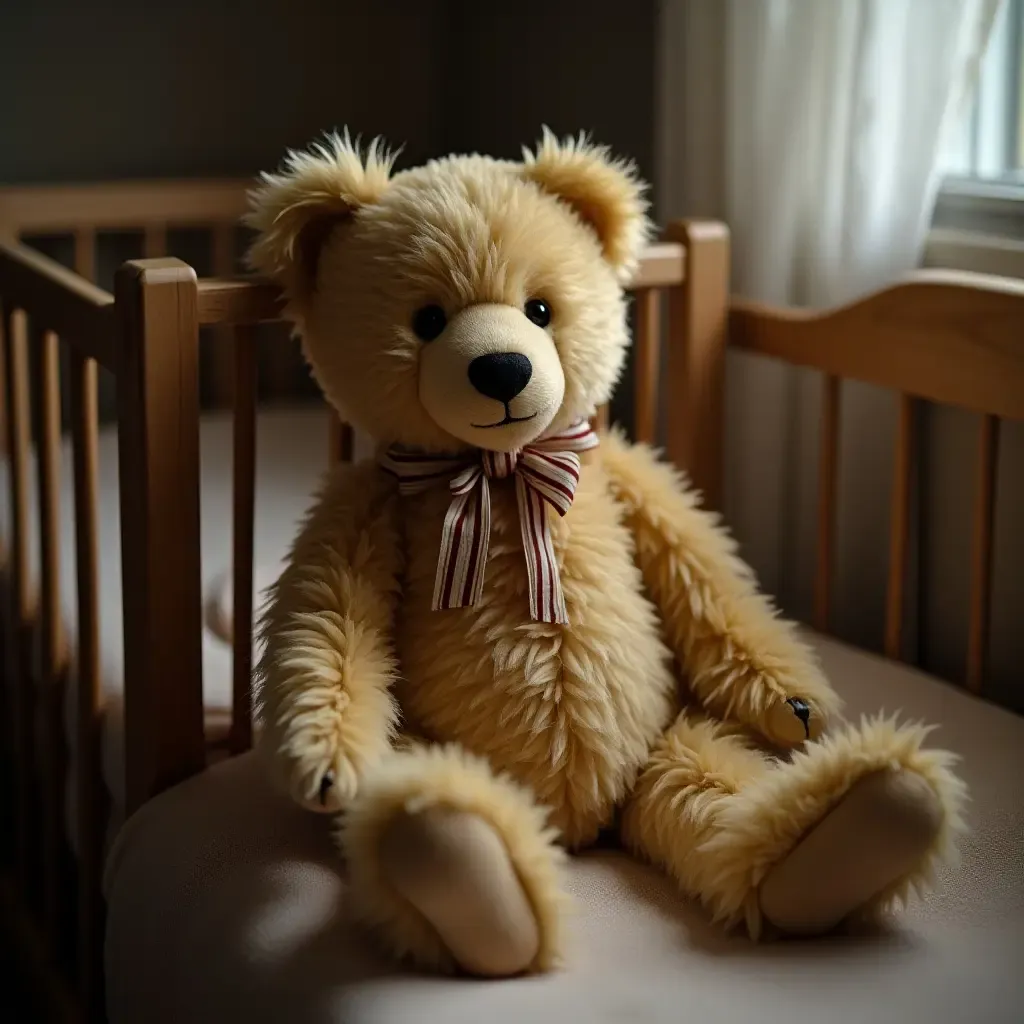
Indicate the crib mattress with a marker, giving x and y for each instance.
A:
(292, 454)
(250, 920)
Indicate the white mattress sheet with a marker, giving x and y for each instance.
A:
(227, 899)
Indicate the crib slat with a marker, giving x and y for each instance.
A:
(340, 441)
(18, 433)
(85, 253)
(278, 364)
(647, 354)
(4, 437)
(158, 474)
(52, 625)
(602, 418)
(88, 779)
(828, 475)
(154, 241)
(49, 500)
(221, 363)
(244, 506)
(899, 528)
(981, 553)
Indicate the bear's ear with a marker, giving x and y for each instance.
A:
(605, 193)
(294, 211)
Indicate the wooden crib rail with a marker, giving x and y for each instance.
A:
(58, 300)
(122, 205)
(954, 338)
(950, 338)
(231, 301)
(153, 209)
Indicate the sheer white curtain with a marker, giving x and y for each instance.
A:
(813, 128)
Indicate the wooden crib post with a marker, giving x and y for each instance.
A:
(698, 318)
(158, 439)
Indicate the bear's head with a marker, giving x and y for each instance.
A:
(469, 302)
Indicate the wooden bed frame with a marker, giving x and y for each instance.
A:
(954, 339)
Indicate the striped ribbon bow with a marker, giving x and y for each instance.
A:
(546, 471)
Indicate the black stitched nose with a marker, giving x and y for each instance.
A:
(500, 376)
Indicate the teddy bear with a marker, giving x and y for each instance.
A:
(505, 634)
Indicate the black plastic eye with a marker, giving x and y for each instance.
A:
(429, 322)
(538, 311)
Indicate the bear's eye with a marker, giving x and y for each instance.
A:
(538, 311)
(429, 322)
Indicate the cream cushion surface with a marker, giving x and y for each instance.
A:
(227, 903)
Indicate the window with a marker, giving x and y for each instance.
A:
(979, 216)
(989, 145)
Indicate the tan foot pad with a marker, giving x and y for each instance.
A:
(455, 870)
(876, 835)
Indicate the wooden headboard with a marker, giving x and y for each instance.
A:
(955, 339)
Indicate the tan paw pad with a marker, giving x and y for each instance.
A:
(876, 835)
(455, 870)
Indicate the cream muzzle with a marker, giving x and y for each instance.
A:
(492, 378)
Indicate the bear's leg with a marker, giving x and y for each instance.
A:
(454, 866)
(848, 827)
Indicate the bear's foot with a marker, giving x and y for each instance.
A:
(877, 834)
(455, 870)
(847, 829)
(453, 866)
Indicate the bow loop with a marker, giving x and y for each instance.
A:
(546, 472)
(553, 476)
(465, 481)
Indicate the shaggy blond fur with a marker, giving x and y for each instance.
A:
(314, 189)
(742, 661)
(650, 699)
(602, 190)
(329, 651)
(719, 815)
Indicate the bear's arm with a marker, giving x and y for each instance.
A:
(325, 673)
(742, 661)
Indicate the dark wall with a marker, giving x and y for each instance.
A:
(133, 89)
(137, 89)
(569, 64)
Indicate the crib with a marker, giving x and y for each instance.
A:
(217, 899)
(60, 632)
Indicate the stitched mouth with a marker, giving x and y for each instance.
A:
(509, 419)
